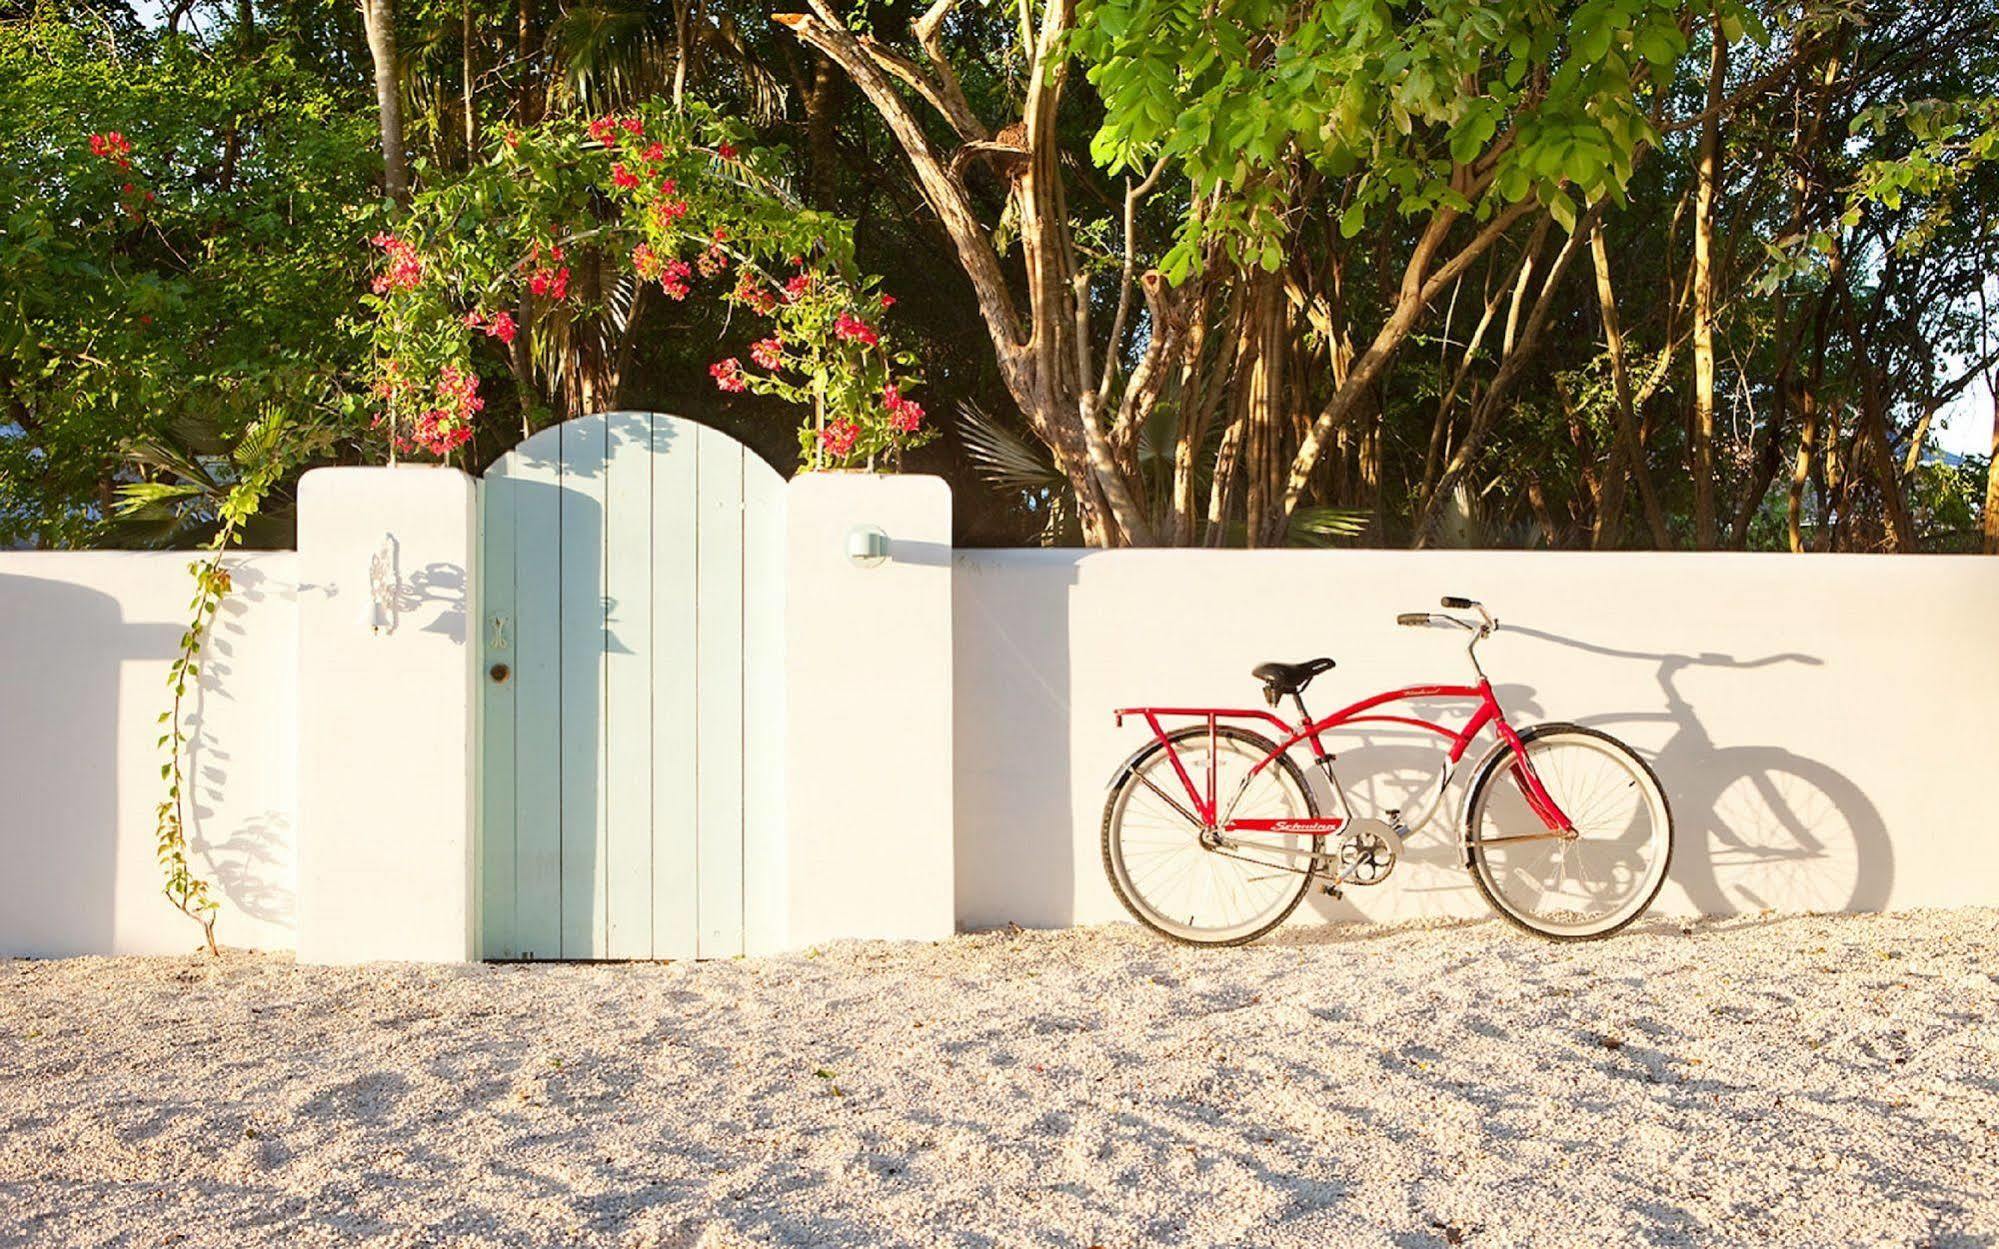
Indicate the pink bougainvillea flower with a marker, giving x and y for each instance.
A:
(838, 437)
(904, 415)
(713, 260)
(111, 146)
(668, 186)
(405, 267)
(854, 330)
(728, 375)
(768, 352)
(502, 327)
(603, 131)
(647, 262)
(797, 286)
(623, 178)
(670, 209)
(657, 152)
(550, 283)
(726, 150)
(888, 301)
(749, 291)
(674, 278)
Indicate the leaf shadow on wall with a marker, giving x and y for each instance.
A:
(251, 859)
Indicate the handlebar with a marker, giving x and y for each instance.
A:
(1486, 626)
(1453, 601)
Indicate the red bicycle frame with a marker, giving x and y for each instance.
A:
(1204, 800)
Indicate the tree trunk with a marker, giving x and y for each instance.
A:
(525, 111)
(1627, 458)
(1262, 463)
(379, 18)
(1510, 368)
(1701, 434)
(1420, 287)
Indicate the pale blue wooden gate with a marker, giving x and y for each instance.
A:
(632, 610)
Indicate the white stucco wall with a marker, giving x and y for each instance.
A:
(868, 705)
(1824, 725)
(85, 642)
(386, 716)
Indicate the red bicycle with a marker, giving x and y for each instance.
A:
(1212, 835)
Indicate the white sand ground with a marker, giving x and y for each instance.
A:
(1812, 1082)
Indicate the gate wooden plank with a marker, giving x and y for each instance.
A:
(719, 685)
(535, 767)
(582, 578)
(763, 705)
(628, 688)
(676, 867)
(494, 632)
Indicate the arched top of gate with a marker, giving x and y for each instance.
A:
(605, 435)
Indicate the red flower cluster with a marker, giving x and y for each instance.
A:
(838, 437)
(855, 330)
(713, 260)
(749, 292)
(112, 146)
(500, 325)
(797, 287)
(647, 262)
(550, 280)
(605, 129)
(728, 375)
(623, 178)
(727, 150)
(405, 267)
(657, 152)
(674, 278)
(768, 352)
(671, 209)
(888, 301)
(448, 426)
(904, 415)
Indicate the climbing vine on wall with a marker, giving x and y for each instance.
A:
(260, 460)
(541, 259)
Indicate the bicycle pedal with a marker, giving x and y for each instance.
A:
(1332, 891)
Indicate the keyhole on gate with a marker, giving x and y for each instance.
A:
(499, 673)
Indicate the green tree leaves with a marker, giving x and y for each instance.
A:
(1461, 103)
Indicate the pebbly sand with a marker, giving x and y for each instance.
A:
(1787, 1081)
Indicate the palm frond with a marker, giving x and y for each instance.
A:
(1323, 526)
(1004, 458)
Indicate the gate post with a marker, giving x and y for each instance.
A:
(386, 743)
(868, 764)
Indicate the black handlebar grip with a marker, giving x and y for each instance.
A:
(1413, 618)
(1453, 601)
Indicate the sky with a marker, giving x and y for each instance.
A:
(1965, 427)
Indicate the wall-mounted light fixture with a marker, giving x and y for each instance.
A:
(867, 546)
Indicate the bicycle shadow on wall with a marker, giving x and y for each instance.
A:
(1757, 827)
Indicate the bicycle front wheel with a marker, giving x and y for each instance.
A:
(1570, 888)
(1179, 879)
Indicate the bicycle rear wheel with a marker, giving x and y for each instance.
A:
(1570, 889)
(1184, 885)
